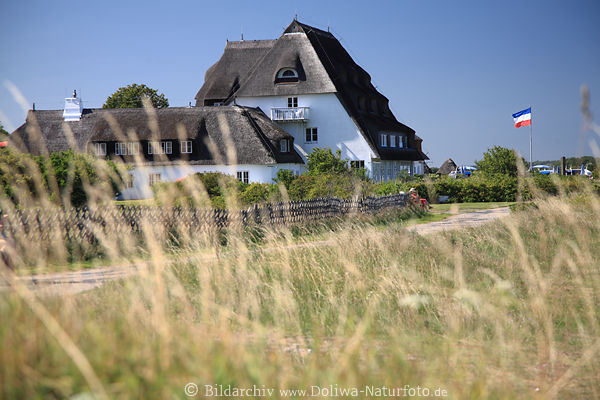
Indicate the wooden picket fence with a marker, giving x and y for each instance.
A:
(89, 225)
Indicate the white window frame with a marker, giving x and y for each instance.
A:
(402, 141)
(186, 146)
(292, 102)
(100, 149)
(163, 147)
(383, 139)
(166, 147)
(243, 176)
(153, 179)
(392, 140)
(284, 145)
(282, 71)
(133, 148)
(314, 135)
(120, 149)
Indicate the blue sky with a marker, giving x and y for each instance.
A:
(453, 71)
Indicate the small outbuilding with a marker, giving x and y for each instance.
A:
(448, 166)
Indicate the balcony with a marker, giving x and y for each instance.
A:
(289, 114)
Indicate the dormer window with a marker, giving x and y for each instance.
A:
(361, 103)
(287, 75)
(373, 106)
(284, 145)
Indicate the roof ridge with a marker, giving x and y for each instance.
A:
(306, 27)
(248, 43)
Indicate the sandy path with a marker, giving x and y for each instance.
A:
(461, 221)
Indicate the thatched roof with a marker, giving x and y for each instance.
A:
(447, 167)
(254, 137)
(323, 66)
(223, 78)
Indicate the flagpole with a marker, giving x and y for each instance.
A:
(531, 142)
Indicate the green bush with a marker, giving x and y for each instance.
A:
(322, 161)
(286, 177)
(343, 186)
(182, 193)
(260, 193)
(65, 171)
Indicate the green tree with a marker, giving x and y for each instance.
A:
(498, 161)
(131, 97)
(322, 161)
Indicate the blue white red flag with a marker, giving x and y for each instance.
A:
(522, 118)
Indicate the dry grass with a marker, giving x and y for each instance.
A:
(509, 310)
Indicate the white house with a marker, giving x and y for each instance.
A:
(166, 144)
(310, 86)
(263, 107)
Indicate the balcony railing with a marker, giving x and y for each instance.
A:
(289, 114)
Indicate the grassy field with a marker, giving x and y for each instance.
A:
(504, 311)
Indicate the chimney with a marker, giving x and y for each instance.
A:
(73, 108)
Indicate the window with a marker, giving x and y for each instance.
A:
(186, 146)
(311, 135)
(130, 148)
(242, 176)
(292, 102)
(373, 106)
(357, 164)
(100, 149)
(284, 145)
(392, 140)
(133, 148)
(160, 147)
(383, 140)
(153, 179)
(286, 75)
(402, 141)
(361, 103)
(129, 182)
(120, 149)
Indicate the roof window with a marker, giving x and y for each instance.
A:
(287, 75)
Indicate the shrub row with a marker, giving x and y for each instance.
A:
(478, 188)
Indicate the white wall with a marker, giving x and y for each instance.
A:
(256, 173)
(335, 128)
